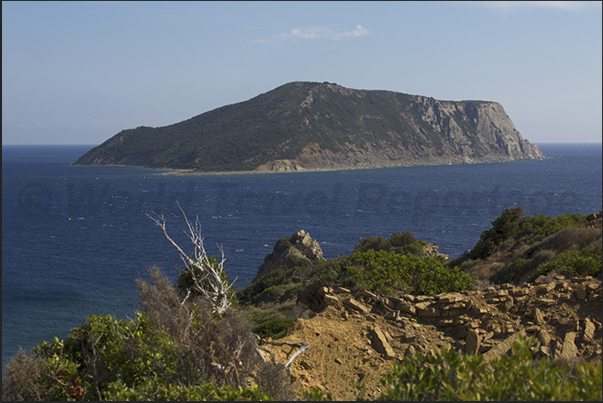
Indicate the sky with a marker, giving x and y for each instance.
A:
(80, 72)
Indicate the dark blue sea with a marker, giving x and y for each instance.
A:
(75, 239)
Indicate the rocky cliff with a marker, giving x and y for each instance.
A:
(316, 126)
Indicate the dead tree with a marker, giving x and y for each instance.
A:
(209, 278)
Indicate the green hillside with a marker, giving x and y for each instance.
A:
(321, 126)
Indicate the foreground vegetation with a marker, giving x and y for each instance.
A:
(445, 374)
(197, 340)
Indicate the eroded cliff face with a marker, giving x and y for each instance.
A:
(495, 130)
(461, 132)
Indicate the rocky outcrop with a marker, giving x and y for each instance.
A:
(558, 311)
(431, 250)
(288, 252)
(354, 334)
(594, 220)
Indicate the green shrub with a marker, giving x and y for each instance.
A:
(512, 224)
(250, 293)
(186, 280)
(446, 374)
(155, 390)
(175, 348)
(504, 227)
(382, 272)
(280, 280)
(273, 326)
(511, 273)
(545, 225)
(378, 243)
(587, 261)
(398, 242)
(291, 293)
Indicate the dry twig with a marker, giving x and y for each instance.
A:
(209, 279)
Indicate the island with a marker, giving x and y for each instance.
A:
(309, 126)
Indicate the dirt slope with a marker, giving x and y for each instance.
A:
(358, 335)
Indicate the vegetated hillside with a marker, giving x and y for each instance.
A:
(395, 320)
(393, 298)
(516, 249)
(519, 248)
(313, 126)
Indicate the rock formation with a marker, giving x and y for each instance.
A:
(355, 334)
(288, 252)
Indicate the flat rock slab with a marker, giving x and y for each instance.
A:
(503, 346)
(569, 350)
(381, 345)
(357, 305)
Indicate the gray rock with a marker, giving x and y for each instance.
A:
(288, 252)
(406, 307)
(538, 317)
(451, 297)
(544, 337)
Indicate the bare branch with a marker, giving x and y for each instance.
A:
(209, 278)
(301, 348)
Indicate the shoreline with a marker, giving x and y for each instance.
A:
(184, 172)
(192, 172)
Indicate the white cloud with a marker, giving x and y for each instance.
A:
(333, 33)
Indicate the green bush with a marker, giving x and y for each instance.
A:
(249, 294)
(446, 374)
(155, 390)
(587, 261)
(281, 280)
(545, 225)
(512, 224)
(175, 348)
(268, 325)
(398, 242)
(504, 227)
(382, 272)
(512, 272)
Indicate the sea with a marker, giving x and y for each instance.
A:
(76, 238)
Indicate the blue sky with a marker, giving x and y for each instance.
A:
(80, 72)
